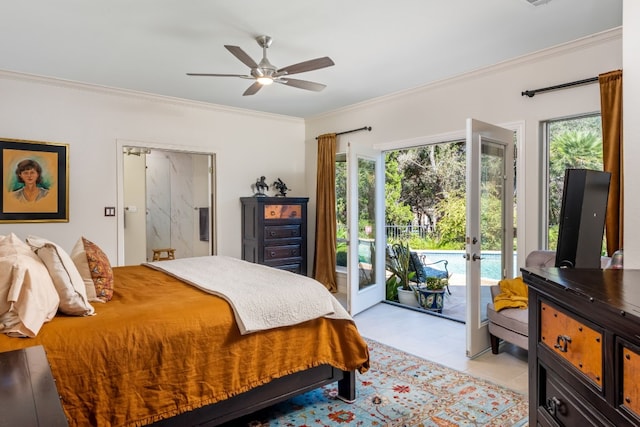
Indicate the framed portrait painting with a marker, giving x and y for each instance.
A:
(35, 181)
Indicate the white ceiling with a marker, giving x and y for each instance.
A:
(379, 46)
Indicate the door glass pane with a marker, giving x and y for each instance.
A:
(342, 236)
(366, 221)
(491, 220)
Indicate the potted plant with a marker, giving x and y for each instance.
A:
(431, 293)
(399, 283)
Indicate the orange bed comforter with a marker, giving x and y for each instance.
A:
(161, 347)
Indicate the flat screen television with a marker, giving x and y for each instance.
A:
(582, 217)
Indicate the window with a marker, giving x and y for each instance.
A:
(574, 142)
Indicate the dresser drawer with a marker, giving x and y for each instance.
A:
(282, 231)
(283, 211)
(630, 381)
(559, 404)
(283, 251)
(573, 341)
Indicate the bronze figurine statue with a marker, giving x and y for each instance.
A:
(281, 187)
(260, 187)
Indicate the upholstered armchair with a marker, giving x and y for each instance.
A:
(512, 324)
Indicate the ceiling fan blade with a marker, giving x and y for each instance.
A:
(244, 76)
(302, 84)
(242, 56)
(301, 67)
(253, 89)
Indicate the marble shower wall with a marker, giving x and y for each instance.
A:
(171, 213)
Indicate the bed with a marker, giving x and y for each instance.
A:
(164, 352)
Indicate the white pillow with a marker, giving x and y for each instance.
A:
(28, 297)
(65, 276)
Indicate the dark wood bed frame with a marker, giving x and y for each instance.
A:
(266, 395)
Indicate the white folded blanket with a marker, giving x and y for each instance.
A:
(261, 297)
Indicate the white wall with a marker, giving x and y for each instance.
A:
(248, 144)
(492, 95)
(90, 119)
(631, 127)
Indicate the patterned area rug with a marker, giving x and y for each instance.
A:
(402, 390)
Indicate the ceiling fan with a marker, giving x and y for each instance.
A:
(264, 73)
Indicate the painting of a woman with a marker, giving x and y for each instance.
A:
(33, 182)
(29, 174)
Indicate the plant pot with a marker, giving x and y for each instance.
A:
(431, 300)
(407, 298)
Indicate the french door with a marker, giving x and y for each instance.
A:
(365, 222)
(489, 201)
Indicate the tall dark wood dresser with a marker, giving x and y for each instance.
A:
(274, 232)
(584, 347)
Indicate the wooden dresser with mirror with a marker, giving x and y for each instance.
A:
(584, 347)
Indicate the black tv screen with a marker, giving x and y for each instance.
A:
(582, 218)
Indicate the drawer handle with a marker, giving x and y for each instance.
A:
(273, 233)
(273, 254)
(553, 405)
(561, 343)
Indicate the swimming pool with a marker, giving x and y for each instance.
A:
(489, 268)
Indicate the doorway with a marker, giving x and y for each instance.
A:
(424, 222)
(167, 203)
(425, 209)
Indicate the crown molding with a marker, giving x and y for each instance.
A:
(138, 95)
(561, 49)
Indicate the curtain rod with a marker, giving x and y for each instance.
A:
(531, 93)
(368, 128)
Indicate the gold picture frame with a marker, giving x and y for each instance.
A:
(35, 181)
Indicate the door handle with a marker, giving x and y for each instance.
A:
(476, 257)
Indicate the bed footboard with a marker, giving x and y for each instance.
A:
(266, 395)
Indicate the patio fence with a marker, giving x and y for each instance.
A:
(396, 232)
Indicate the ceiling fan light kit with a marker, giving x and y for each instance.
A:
(264, 81)
(264, 73)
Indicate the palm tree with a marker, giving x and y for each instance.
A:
(570, 150)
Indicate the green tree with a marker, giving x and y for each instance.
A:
(429, 175)
(396, 211)
(452, 226)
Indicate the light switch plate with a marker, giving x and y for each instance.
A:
(109, 211)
